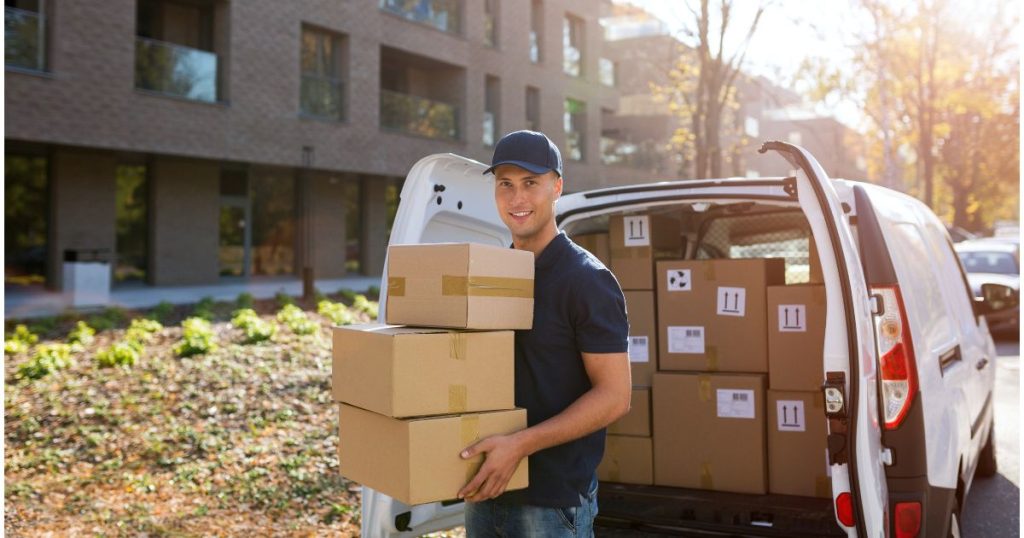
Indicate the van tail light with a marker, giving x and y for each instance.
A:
(908, 519)
(897, 368)
(844, 509)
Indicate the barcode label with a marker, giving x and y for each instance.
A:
(733, 403)
(639, 350)
(686, 340)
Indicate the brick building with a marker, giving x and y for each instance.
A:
(205, 141)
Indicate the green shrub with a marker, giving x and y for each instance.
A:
(48, 358)
(108, 319)
(161, 312)
(348, 295)
(244, 300)
(204, 309)
(283, 299)
(336, 312)
(196, 338)
(362, 304)
(255, 328)
(81, 336)
(124, 354)
(19, 341)
(296, 320)
(44, 325)
(373, 291)
(142, 330)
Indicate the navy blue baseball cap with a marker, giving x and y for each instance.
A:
(528, 150)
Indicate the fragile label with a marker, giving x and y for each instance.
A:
(638, 349)
(734, 403)
(637, 231)
(790, 415)
(686, 340)
(792, 318)
(732, 301)
(678, 279)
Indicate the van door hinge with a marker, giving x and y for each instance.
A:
(789, 186)
(887, 456)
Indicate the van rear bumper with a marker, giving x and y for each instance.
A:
(678, 510)
(936, 503)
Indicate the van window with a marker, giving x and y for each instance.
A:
(771, 234)
(917, 270)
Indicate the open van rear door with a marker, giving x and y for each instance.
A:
(851, 396)
(446, 198)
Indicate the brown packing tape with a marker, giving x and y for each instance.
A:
(704, 388)
(470, 433)
(630, 252)
(823, 486)
(486, 286)
(457, 345)
(711, 358)
(396, 286)
(706, 479)
(457, 398)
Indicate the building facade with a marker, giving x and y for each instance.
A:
(193, 141)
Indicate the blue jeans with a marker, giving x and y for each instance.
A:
(490, 519)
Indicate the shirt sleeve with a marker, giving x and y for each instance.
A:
(600, 313)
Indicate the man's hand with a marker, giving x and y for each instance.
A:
(502, 454)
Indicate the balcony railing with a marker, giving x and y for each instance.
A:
(490, 128)
(441, 14)
(418, 116)
(175, 70)
(24, 39)
(322, 97)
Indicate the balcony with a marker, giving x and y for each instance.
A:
(175, 70)
(322, 97)
(418, 116)
(441, 14)
(24, 39)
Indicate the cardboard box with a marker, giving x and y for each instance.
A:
(796, 337)
(798, 444)
(643, 336)
(417, 460)
(627, 460)
(636, 242)
(460, 285)
(637, 421)
(596, 244)
(408, 371)
(712, 314)
(709, 432)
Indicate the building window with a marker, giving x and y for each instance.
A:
(532, 108)
(491, 23)
(25, 34)
(606, 72)
(419, 95)
(235, 228)
(273, 223)
(536, 31)
(751, 126)
(445, 15)
(174, 52)
(322, 92)
(26, 210)
(575, 120)
(492, 98)
(131, 223)
(572, 46)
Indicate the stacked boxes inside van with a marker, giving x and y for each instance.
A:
(727, 374)
(439, 376)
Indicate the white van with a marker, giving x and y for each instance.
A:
(908, 356)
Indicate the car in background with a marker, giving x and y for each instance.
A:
(992, 261)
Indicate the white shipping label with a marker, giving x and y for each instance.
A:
(678, 280)
(639, 350)
(790, 415)
(792, 318)
(686, 340)
(732, 301)
(637, 231)
(735, 403)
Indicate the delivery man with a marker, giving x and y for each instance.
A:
(571, 369)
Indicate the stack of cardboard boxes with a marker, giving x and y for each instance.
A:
(413, 397)
(726, 332)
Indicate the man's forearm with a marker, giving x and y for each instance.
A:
(597, 408)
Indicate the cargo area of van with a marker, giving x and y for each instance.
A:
(727, 430)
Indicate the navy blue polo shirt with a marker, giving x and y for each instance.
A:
(578, 307)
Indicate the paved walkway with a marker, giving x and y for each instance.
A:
(42, 303)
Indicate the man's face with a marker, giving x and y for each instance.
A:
(526, 201)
